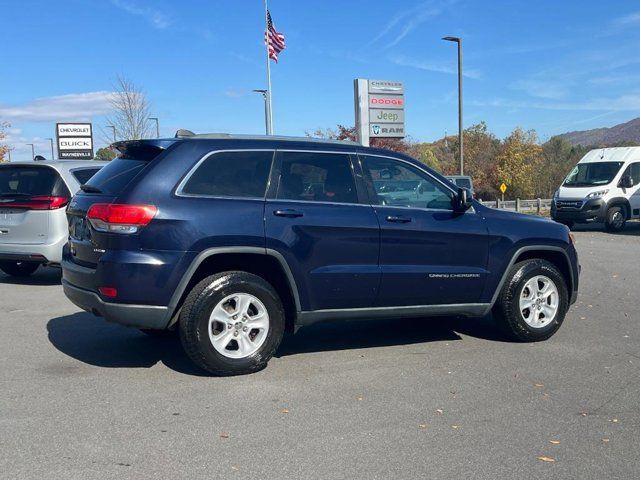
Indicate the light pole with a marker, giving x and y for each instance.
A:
(265, 94)
(9, 152)
(155, 119)
(458, 40)
(33, 151)
(52, 154)
(114, 132)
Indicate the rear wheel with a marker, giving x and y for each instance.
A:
(232, 323)
(616, 219)
(19, 269)
(533, 301)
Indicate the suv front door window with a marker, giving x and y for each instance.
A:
(429, 254)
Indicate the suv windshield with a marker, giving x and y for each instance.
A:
(592, 174)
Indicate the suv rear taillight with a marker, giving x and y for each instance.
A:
(118, 218)
(40, 202)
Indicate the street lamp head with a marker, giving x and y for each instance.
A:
(452, 39)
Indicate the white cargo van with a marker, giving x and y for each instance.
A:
(604, 187)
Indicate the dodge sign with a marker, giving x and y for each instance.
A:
(75, 141)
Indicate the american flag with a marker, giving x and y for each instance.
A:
(273, 39)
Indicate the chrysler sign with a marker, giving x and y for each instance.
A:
(75, 141)
(379, 109)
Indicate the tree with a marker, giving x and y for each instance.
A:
(349, 133)
(424, 152)
(105, 154)
(520, 155)
(130, 111)
(4, 149)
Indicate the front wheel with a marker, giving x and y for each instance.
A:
(616, 219)
(19, 269)
(533, 301)
(232, 323)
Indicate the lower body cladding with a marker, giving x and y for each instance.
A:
(590, 211)
(139, 316)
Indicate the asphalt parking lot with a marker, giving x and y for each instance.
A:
(421, 398)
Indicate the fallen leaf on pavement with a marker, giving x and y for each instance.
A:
(440, 411)
(284, 410)
(605, 440)
(555, 442)
(547, 459)
(539, 385)
(455, 427)
(422, 426)
(224, 435)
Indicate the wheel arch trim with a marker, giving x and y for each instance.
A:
(205, 254)
(514, 258)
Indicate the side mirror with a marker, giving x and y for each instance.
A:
(463, 200)
(626, 181)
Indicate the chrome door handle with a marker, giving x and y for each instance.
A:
(288, 213)
(398, 219)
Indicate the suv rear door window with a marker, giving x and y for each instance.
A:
(241, 174)
(23, 181)
(316, 177)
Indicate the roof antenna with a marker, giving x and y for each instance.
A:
(602, 154)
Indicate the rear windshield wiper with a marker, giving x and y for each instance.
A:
(90, 189)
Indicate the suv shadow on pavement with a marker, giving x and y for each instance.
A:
(93, 341)
(43, 276)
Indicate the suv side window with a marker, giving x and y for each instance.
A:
(316, 177)
(241, 174)
(401, 185)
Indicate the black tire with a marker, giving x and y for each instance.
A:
(507, 312)
(616, 219)
(194, 322)
(19, 269)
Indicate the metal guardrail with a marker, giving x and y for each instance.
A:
(537, 205)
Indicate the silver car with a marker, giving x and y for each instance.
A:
(33, 223)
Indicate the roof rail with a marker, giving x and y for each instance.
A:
(280, 138)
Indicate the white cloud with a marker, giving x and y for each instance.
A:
(404, 22)
(628, 20)
(546, 89)
(405, 61)
(623, 103)
(73, 107)
(158, 19)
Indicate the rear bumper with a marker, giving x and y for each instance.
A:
(139, 316)
(591, 211)
(45, 253)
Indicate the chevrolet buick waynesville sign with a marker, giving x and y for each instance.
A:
(75, 141)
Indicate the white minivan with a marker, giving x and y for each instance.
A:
(604, 187)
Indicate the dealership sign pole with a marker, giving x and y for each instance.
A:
(75, 141)
(379, 108)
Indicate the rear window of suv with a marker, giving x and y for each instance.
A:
(114, 177)
(19, 180)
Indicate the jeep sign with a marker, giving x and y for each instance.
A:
(379, 109)
(75, 141)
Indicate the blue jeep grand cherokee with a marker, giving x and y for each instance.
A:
(232, 240)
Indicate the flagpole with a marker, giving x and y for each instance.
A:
(269, 110)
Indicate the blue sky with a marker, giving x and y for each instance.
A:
(548, 65)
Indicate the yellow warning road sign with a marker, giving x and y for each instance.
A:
(503, 187)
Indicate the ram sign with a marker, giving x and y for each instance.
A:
(75, 141)
(379, 109)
